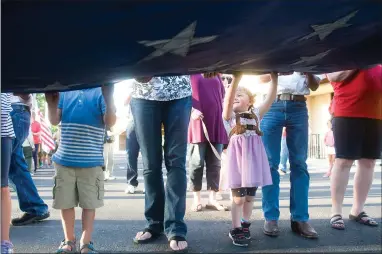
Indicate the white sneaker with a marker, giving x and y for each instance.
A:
(219, 196)
(130, 189)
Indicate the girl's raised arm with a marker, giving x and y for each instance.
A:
(230, 96)
(271, 95)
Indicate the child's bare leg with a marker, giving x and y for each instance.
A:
(237, 211)
(68, 218)
(6, 210)
(88, 216)
(248, 207)
(331, 163)
(333, 158)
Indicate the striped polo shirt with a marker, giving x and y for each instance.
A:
(6, 120)
(82, 129)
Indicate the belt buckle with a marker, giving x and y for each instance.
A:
(286, 97)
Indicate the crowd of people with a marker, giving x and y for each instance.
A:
(211, 115)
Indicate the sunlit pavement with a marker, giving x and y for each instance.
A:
(122, 216)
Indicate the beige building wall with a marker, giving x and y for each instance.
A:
(318, 103)
(318, 113)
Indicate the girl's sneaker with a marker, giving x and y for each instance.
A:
(238, 238)
(246, 232)
(130, 189)
(6, 247)
(219, 196)
(89, 247)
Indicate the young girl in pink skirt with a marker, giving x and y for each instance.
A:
(246, 159)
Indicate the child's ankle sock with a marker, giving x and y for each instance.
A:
(245, 221)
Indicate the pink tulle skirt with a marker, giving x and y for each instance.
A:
(245, 164)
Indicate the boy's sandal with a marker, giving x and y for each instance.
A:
(89, 246)
(154, 236)
(364, 219)
(337, 222)
(178, 239)
(71, 244)
(196, 208)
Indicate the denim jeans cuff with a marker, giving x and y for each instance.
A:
(171, 235)
(156, 228)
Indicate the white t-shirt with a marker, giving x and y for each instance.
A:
(295, 84)
(20, 101)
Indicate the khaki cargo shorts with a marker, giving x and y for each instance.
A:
(74, 187)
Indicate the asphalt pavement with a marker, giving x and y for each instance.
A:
(122, 216)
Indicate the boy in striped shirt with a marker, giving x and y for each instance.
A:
(79, 178)
(7, 134)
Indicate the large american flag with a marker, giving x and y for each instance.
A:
(69, 45)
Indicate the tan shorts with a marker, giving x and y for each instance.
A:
(78, 186)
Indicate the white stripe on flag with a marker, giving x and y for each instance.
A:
(46, 134)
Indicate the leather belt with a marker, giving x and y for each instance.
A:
(290, 97)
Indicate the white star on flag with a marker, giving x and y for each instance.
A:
(249, 61)
(312, 59)
(326, 29)
(212, 67)
(307, 68)
(179, 45)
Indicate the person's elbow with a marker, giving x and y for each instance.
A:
(314, 83)
(54, 120)
(314, 86)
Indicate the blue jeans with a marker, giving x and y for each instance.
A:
(294, 116)
(29, 199)
(132, 151)
(164, 207)
(284, 155)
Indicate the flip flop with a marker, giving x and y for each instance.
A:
(217, 207)
(178, 239)
(364, 219)
(197, 208)
(154, 236)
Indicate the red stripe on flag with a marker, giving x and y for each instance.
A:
(46, 134)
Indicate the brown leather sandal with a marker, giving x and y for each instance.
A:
(64, 244)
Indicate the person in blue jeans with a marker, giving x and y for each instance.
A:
(30, 201)
(132, 146)
(167, 101)
(289, 110)
(132, 151)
